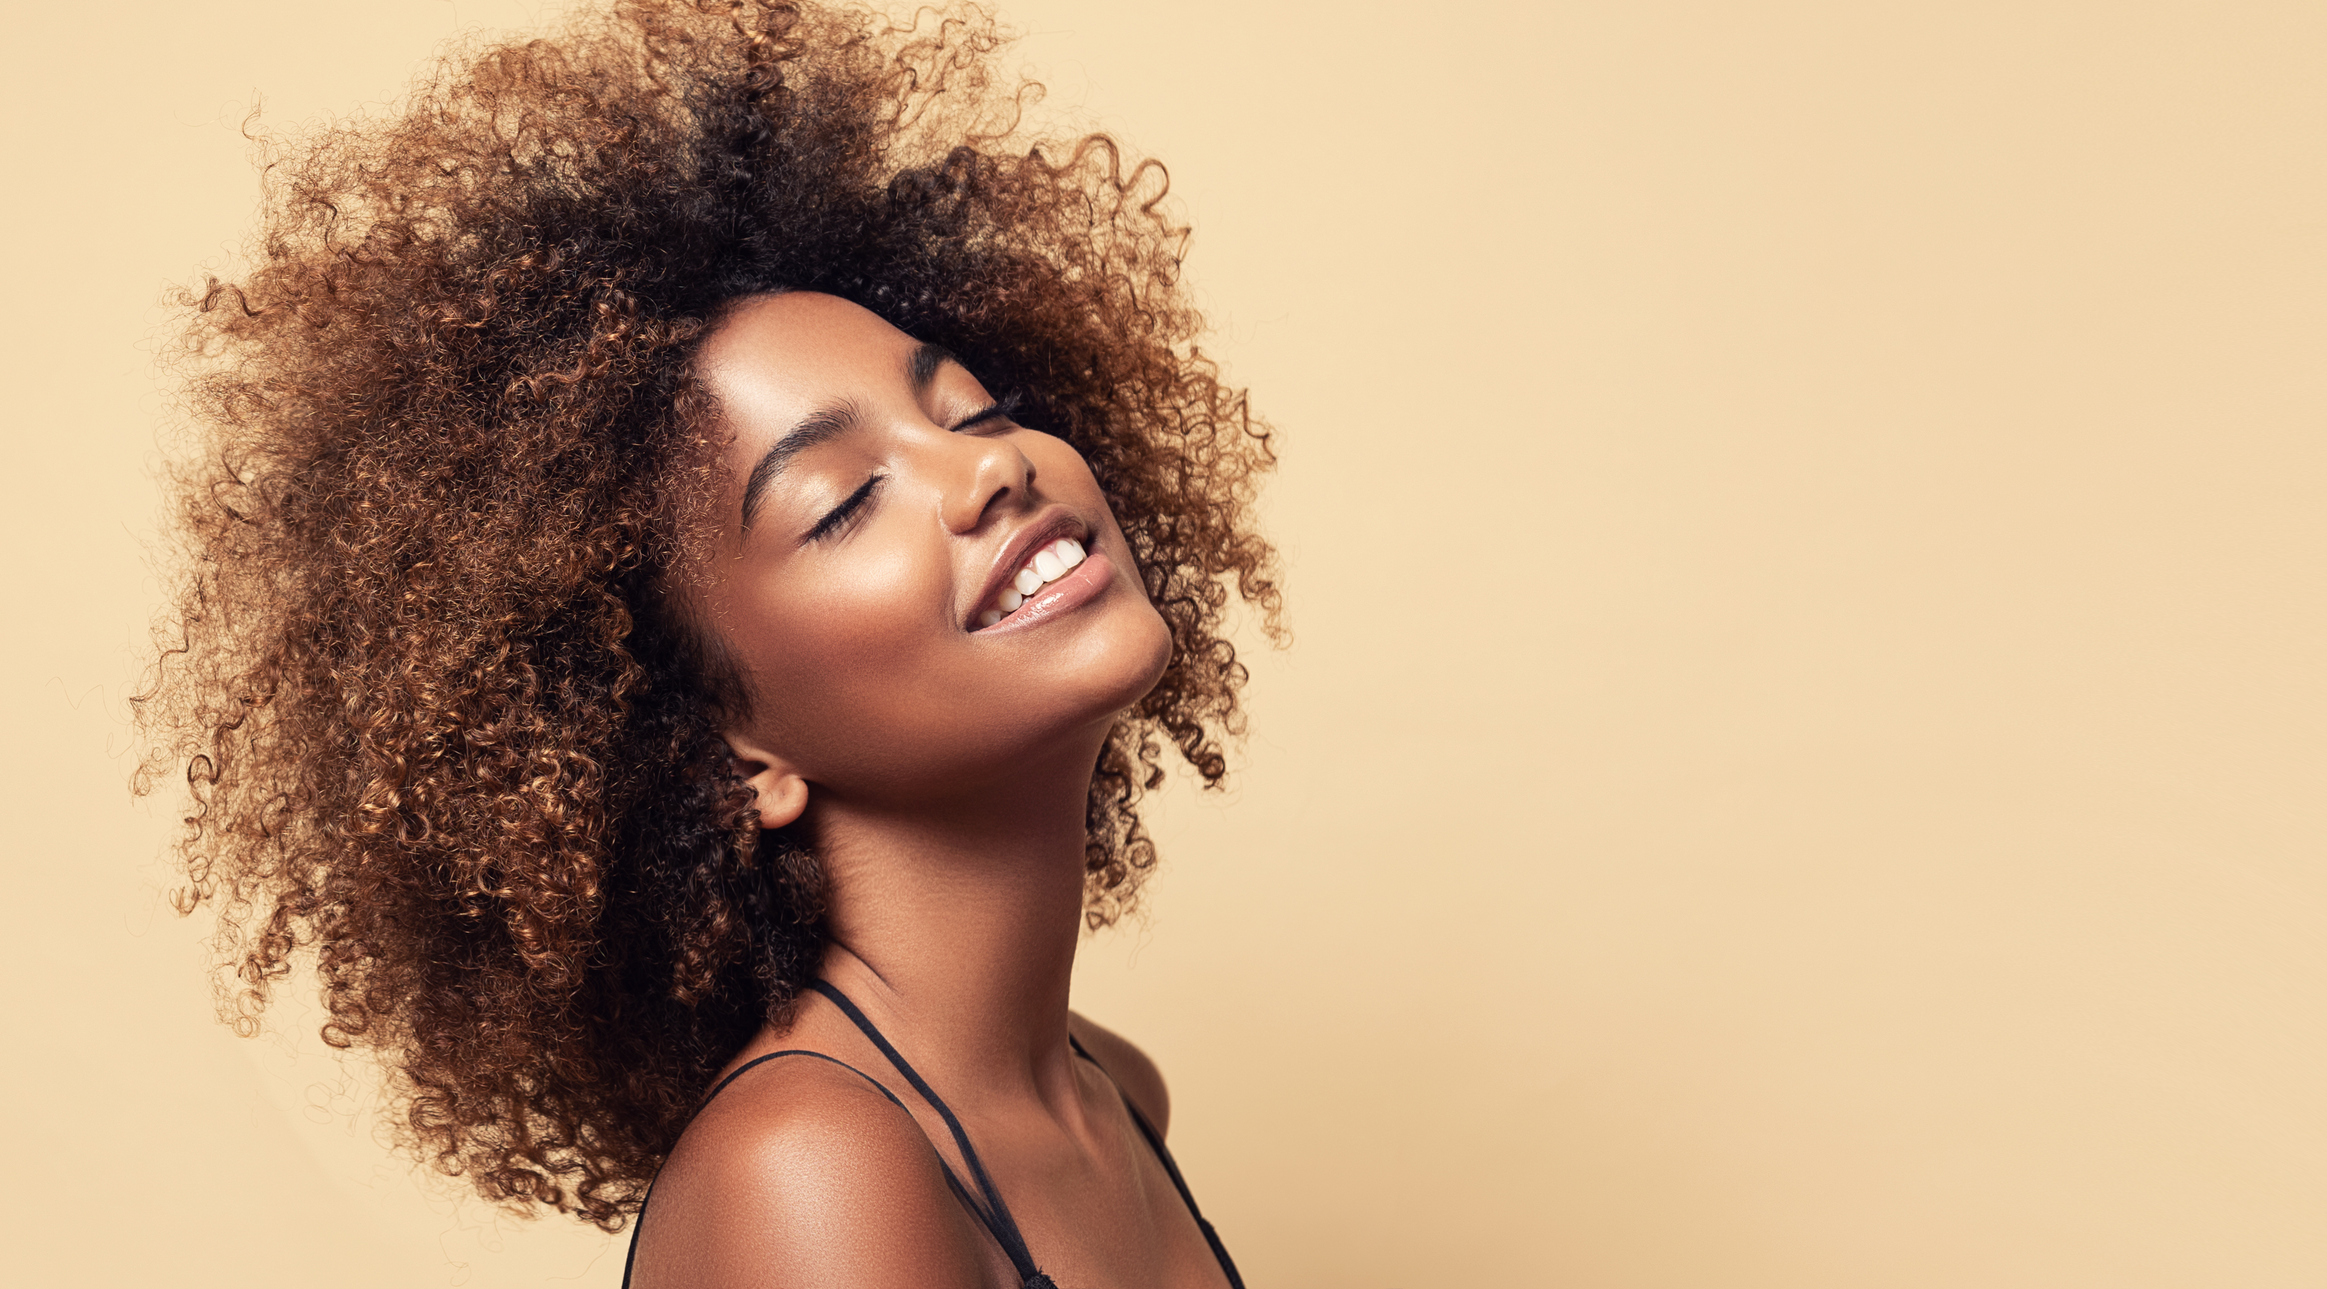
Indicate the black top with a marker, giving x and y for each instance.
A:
(986, 1205)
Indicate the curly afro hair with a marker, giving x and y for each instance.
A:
(445, 733)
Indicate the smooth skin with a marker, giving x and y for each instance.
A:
(942, 773)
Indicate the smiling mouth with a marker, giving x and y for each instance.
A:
(1046, 565)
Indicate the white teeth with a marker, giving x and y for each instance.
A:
(1048, 565)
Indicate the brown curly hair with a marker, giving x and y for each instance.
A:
(443, 726)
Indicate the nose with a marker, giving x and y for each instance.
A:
(984, 476)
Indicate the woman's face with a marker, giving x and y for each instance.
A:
(881, 513)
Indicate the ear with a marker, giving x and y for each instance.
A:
(783, 794)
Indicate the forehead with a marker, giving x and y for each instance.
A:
(775, 358)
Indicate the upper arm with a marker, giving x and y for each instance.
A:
(805, 1176)
(1138, 1076)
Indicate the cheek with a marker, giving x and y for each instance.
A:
(1060, 472)
(830, 651)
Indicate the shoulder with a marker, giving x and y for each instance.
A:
(1131, 1069)
(802, 1172)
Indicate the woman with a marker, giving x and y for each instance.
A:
(700, 545)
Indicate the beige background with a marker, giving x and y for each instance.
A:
(1802, 764)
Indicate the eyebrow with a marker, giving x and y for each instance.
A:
(830, 422)
(922, 367)
(820, 426)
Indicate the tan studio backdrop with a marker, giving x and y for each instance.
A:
(1802, 762)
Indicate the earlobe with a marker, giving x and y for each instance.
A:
(782, 795)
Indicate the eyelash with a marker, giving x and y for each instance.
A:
(838, 517)
(1004, 408)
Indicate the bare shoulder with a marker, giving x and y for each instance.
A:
(802, 1173)
(1138, 1076)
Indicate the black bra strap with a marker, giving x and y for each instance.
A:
(994, 1213)
(950, 1178)
(1171, 1169)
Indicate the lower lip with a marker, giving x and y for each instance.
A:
(1080, 586)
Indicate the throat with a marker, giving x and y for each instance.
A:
(963, 937)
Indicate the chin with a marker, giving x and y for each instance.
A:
(1113, 673)
(1135, 653)
(1156, 660)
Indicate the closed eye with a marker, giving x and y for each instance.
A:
(838, 517)
(1001, 410)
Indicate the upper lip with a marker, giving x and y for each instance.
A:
(1047, 526)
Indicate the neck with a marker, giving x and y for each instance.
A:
(955, 928)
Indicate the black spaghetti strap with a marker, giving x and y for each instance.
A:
(1171, 1168)
(630, 1258)
(995, 1213)
(992, 1212)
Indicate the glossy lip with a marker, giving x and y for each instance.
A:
(1051, 524)
(1082, 584)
